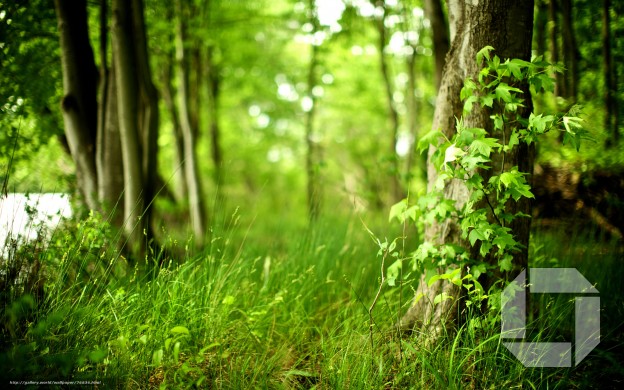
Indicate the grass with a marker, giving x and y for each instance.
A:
(276, 306)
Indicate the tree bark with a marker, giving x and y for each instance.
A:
(440, 29)
(312, 165)
(79, 104)
(128, 99)
(214, 93)
(553, 11)
(570, 51)
(610, 85)
(196, 203)
(148, 115)
(382, 41)
(507, 26)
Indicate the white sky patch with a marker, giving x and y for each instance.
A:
(327, 78)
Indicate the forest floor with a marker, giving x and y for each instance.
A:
(274, 304)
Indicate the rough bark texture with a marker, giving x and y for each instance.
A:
(507, 26)
(79, 104)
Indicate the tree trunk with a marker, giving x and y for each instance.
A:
(507, 26)
(397, 191)
(128, 99)
(148, 115)
(440, 29)
(168, 97)
(214, 90)
(79, 104)
(610, 87)
(570, 51)
(312, 166)
(553, 11)
(196, 203)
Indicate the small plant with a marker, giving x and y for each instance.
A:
(478, 159)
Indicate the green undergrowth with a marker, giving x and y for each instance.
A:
(272, 304)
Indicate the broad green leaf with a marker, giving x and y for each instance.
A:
(179, 330)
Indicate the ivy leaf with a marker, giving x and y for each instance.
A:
(505, 263)
(503, 92)
(431, 138)
(485, 52)
(488, 100)
(475, 235)
(397, 211)
(484, 146)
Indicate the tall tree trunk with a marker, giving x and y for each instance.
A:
(382, 40)
(312, 165)
(79, 104)
(608, 71)
(214, 91)
(570, 51)
(168, 97)
(553, 12)
(541, 22)
(128, 99)
(196, 202)
(109, 165)
(440, 29)
(507, 26)
(148, 115)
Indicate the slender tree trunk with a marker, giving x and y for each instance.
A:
(541, 21)
(312, 166)
(608, 71)
(440, 29)
(168, 97)
(196, 203)
(127, 99)
(570, 51)
(148, 115)
(397, 191)
(79, 104)
(214, 91)
(108, 150)
(507, 26)
(553, 11)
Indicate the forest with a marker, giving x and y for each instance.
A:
(312, 194)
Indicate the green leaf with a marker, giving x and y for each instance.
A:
(393, 272)
(441, 297)
(397, 211)
(179, 330)
(485, 52)
(503, 92)
(484, 146)
(431, 138)
(475, 235)
(505, 263)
